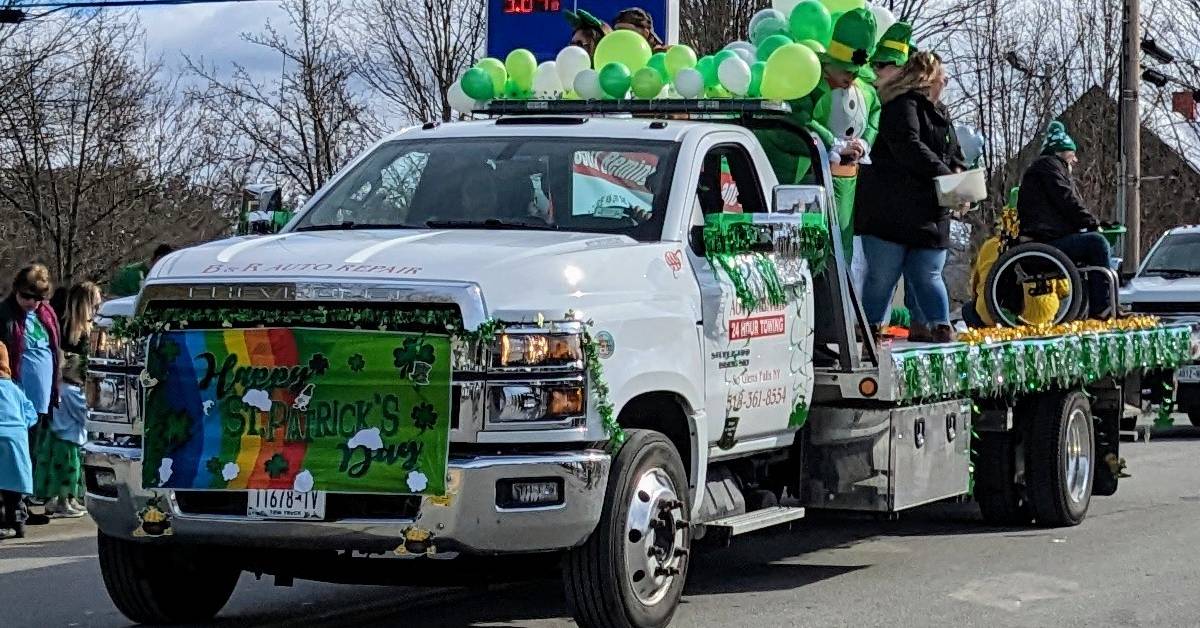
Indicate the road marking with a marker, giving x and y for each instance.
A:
(1010, 592)
(16, 565)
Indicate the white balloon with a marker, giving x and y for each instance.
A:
(746, 55)
(734, 74)
(458, 99)
(570, 62)
(689, 83)
(587, 85)
(739, 44)
(883, 20)
(545, 81)
(764, 14)
(785, 6)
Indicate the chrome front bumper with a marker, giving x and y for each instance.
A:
(467, 520)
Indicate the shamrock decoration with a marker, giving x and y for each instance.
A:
(214, 465)
(177, 428)
(410, 353)
(424, 416)
(276, 466)
(357, 363)
(319, 363)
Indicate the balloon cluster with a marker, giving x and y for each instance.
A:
(779, 62)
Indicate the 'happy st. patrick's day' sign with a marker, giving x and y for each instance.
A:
(301, 409)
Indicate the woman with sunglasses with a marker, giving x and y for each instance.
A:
(29, 330)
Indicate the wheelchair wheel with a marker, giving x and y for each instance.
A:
(1038, 267)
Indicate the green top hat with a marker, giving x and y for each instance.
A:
(1057, 139)
(895, 45)
(853, 41)
(581, 19)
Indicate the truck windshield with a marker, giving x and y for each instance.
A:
(572, 184)
(1178, 254)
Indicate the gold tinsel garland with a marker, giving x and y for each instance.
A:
(1026, 332)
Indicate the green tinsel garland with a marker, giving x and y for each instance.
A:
(730, 241)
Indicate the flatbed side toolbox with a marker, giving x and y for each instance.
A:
(888, 459)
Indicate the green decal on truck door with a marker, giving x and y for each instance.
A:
(300, 409)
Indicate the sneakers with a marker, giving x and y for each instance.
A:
(57, 508)
(8, 533)
(76, 504)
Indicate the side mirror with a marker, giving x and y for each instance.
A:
(799, 199)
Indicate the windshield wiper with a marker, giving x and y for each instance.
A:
(490, 223)
(1186, 272)
(350, 225)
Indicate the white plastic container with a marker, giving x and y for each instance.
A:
(969, 186)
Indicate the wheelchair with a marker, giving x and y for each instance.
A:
(1037, 284)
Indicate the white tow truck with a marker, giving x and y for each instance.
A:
(614, 334)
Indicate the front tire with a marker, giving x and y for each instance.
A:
(631, 571)
(1061, 456)
(165, 584)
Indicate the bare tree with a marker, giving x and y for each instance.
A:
(708, 25)
(312, 120)
(412, 51)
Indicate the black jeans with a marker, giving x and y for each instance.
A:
(15, 511)
(1090, 249)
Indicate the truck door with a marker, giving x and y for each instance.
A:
(758, 361)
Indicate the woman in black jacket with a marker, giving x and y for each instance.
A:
(903, 227)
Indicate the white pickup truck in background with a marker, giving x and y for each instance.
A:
(1168, 285)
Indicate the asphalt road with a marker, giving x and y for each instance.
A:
(1133, 562)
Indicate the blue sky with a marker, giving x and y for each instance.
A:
(211, 31)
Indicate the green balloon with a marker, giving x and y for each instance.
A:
(658, 61)
(813, 45)
(720, 57)
(771, 44)
(521, 64)
(766, 28)
(707, 66)
(477, 84)
(679, 57)
(792, 72)
(615, 80)
(511, 90)
(625, 47)
(842, 6)
(495, 69)
(811, 20)
(756, 75)
(647, 83)
(717, 92)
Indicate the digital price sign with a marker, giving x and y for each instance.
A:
(531, 6)
(541, 27)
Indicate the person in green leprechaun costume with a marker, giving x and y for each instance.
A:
(842, 110)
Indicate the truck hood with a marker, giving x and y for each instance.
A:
(516, 269)
(1162, 289)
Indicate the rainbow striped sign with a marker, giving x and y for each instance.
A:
(299, 409)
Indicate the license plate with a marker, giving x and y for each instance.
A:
(284, 504)
(1190, 373)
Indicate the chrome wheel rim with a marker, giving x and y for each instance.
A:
(655, 537)
(1078, 461)
(1015, 268)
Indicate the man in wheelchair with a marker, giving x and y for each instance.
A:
(1051, 212)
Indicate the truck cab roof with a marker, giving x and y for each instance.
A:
(571, 126)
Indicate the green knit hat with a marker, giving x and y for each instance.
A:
(895, 45)
(1057, 139)
(853, 41)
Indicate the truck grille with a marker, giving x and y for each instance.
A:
(338, 506)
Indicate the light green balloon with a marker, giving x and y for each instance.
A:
(495, 69)
(756, 76)
(625, 47)
(813, 45)
(679, 57)
(658, 61)
(615, 80)
(841, 6)
(647, 83)
(521, 65)
(723, 55)
(477, 84)
(792, 72)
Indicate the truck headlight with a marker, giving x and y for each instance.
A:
(538, 350)
(535, 402)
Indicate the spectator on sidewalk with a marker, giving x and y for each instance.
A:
(128, 281)
(17, 416)
(58, 478)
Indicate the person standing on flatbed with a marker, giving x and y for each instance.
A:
(128, 281)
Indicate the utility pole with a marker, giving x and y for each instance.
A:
(1129, 141)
